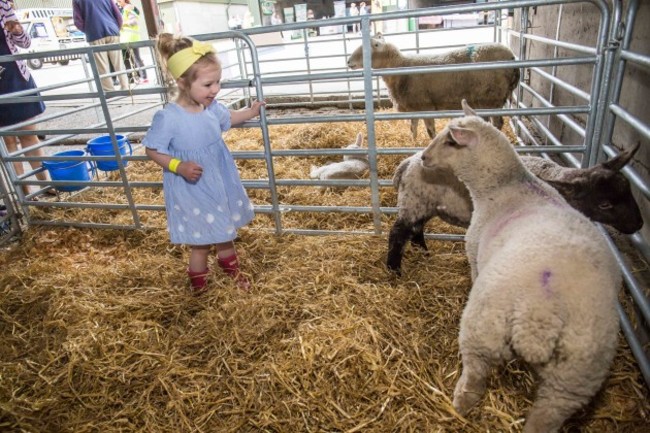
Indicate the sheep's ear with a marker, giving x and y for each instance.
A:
(359, 139)
(377, 40)
(463, 136)
(621, 159)
(469, 111)
(576, 188)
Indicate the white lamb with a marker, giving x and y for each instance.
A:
(544, 280)
(352, 166)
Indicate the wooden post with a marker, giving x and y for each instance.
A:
(152, 17)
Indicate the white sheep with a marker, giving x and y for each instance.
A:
(544, 280)
(602, 193)
(442, 91)
(352, 166)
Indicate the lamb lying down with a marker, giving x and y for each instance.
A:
(601, 192)
(352, 166)
(544, 279)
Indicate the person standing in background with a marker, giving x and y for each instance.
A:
(276, 19)
(15, 77)
(362, 11)
(248, 20)
(131, 33)
(376, 8)
(354, 12)
(101, 21)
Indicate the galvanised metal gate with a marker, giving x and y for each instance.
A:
(311, 71)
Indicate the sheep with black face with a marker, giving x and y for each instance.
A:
(601, 192)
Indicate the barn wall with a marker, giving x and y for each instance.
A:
(579, 25)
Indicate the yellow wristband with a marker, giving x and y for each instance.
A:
(173, 165)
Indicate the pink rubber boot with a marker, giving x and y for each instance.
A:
(230, 266)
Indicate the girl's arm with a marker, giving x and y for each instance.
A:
(190, 170)
(240, 116)
(16, 32)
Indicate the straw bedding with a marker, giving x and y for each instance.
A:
(100, 334)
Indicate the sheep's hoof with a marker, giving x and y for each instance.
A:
(464, 401)
(394, 268)
(396, 271)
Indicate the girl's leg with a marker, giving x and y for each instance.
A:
(198, 267)
(228, 261)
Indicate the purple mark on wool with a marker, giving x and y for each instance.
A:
(534, 187)
(546, 286)
(503, 222)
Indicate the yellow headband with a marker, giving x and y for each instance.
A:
(183, 59)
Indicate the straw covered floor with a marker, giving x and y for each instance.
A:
(100, 333)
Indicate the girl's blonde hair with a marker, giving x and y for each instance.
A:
(166, 46)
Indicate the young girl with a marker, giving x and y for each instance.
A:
(204, 197)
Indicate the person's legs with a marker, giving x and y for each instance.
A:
(12, 145)
(229, 262)
(128, 64)
(114, 78)
(103, 66)
(139, 63)
(26, 141)
(198, 267)
(115, 58)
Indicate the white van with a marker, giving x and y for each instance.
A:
(51, 29)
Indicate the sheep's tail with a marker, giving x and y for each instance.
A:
(534, 343)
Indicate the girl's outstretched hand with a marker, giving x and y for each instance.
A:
(240, 116)
(256, 106)
(191, 171)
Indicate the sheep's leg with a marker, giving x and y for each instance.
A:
(417, 233)
(482, 343)
(399, 235)
(497, 121)
(431, 127)
(565, 387)
(471, 250)
(414, 128)
(471, 385)
(549, 415)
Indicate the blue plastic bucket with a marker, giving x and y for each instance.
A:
(69, 170)
(103, 146)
